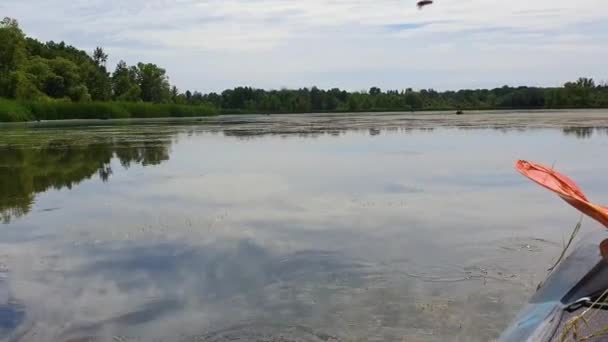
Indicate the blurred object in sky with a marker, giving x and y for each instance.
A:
(423, 3)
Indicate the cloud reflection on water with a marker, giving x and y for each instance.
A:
(256, 225)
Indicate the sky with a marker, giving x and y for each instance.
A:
(211, 45)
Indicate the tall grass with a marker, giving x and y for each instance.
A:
(11, 110)
(62, 110)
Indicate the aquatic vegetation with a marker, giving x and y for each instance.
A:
(573, 328)
(567, 245)
(13, 111)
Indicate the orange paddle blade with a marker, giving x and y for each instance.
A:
(564, 187)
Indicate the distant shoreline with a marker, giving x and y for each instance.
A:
(417, 111)
(56, 81)
(13, 110)
(140, 119)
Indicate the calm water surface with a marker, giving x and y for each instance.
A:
(381, 227)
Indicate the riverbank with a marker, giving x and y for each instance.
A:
(55, 110)
(21, 111)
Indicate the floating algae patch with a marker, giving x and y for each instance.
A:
(264, 333)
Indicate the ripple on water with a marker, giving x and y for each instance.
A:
(527, 244)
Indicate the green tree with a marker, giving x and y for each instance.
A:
(25, 86)
(584, 82)
(133, 94)
(12, 40)
(124, 81)
(579, 93)
(212, 98)
(12, 55)
(316, 99)
(65, 77)
(33, 79)
(100, 57)
(174, 94)
(153, 82)
(354, 103)
(97, 81)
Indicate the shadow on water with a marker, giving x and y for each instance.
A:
(56, 164)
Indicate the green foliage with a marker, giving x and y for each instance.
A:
(65, 110)
(25, 86)
(56, 73)
(133, 94)
(11, 111)
(124, 83)
(100, 57)
(12, 41)
(153, 83)
(12, 55)
(97, 81)
(58, 81)
(149, 110)
(52, 50)
(52, 109)
(583, 93)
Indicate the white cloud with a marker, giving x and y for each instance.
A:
(212, 44)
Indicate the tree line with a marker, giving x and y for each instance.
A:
(33, 71)
(583, 93)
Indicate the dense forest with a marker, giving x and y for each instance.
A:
(58, 81)
(31, 70)
(583, 93)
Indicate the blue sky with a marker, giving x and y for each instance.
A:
(210, 45)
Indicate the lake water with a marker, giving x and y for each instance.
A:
(351, 227)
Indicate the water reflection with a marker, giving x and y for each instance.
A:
(26, 170)
(581, 132)
(383, 227)
(169, 291)
(12, 312)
